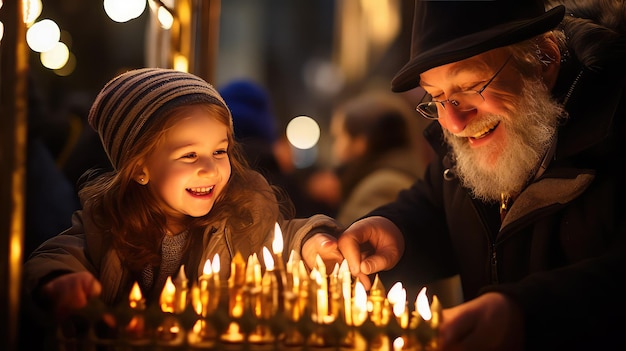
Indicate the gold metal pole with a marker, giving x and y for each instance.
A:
(204, 36)
(13, 134)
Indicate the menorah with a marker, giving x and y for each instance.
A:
(275, 306)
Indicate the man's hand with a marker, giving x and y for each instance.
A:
(489, 322)
(371, 245)
(71, 292)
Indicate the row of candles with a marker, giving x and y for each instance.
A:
(273, 305)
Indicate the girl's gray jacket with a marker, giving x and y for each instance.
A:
(84, 247)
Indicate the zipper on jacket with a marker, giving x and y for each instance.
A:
(494, 265)
(229, 245)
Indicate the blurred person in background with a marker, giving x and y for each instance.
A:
(373, 136)
(265, 148)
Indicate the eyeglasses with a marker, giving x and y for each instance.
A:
(462, 101)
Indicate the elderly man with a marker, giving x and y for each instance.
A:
(523, 203)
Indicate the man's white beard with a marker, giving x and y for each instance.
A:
(490, 171)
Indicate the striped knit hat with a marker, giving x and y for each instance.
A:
(133, 100)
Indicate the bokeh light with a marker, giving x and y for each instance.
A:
(124, 10)
(69, 67)
(43, 35)
(56, 57)
(32, 10)
(165, 18)
(303, 132)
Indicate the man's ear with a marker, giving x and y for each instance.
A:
(549, 54)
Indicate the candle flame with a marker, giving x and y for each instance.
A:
(207, 270)
(277, 244)
(398, 343)
(267, 258)
(344, 266)
(316, 276)
(167, 296)
(397, 299)
(335, 271)
(422, 306)
(320, 265)
(394, 295)
(291, 263)
(360, 295)
(216, 264)
(359, 307)
(135, 295)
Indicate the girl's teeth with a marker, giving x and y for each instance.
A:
(203, 190)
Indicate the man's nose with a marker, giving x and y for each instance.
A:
(453, 119)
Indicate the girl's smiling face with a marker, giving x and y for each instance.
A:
(190, 166)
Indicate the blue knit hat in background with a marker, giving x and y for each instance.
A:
(251, 109)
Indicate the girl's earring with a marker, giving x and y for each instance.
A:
(142, 181)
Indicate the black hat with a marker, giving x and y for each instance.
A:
(446, 31)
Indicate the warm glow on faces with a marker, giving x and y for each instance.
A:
(472, 74)
(499, 144)
(190, 167)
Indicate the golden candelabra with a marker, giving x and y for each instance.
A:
(275, 306)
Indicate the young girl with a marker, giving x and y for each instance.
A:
(179, 193)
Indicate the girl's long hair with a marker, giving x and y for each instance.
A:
(132, 214)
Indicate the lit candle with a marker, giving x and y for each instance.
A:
(320, 305)
(292, 273)
(252, 291)
(359, 305)
(426, 334)
(217, 285)
(215, 267)
(322, 290)
(335, 292)
(377, 303)
(169, 330)
(346, 291)
(137, 302)
(399, 304)
(277, 248)
(236, 283)
(435, 322)
(203, 288)
(290, 293)
(135, 326)
(280, 271)
(293, 312)
(303, 292)
(398, 344)
(270, 286)
(167, 296)
(182, 290)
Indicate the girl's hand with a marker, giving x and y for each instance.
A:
(324, 245)
(70, 292)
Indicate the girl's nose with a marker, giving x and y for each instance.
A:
(207, 167)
